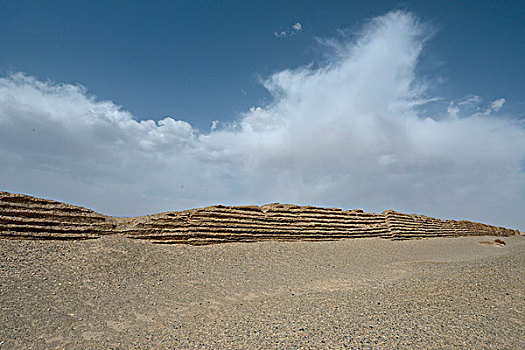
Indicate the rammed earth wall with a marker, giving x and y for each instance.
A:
(26, 217)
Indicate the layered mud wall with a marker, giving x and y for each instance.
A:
(253, 223)
(26, 217)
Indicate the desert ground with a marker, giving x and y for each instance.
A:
(368, 293)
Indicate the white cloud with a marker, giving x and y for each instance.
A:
(347, 134)
(453, 110)
(497, 104)
(294, 29)
(473, 100)
(472, 106)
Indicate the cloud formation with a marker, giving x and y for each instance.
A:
(473, 106)
(296, 28)
(497, 104)
(349, 134)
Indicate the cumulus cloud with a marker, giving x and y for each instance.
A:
(473, 105)
(349, 134)
(294, 29)
(497, 104)
(297, 27)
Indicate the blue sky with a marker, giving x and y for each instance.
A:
(202, 60)
(136, 107)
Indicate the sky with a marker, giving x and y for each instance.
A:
(134, 107)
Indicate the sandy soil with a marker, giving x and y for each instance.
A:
(117, 293)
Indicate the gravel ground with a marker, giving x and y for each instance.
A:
(116, 293)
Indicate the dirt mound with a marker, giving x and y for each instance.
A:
(26, 217)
